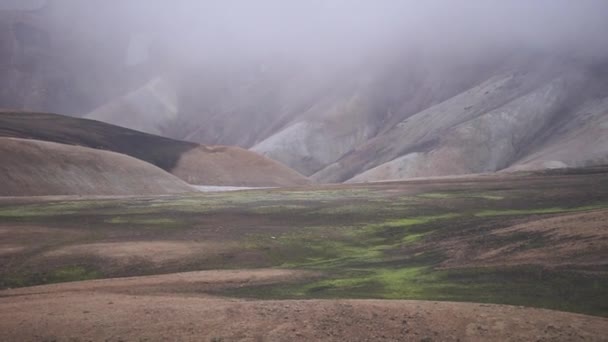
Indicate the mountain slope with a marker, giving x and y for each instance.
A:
(399, 117)
(582, 140)
(144, 109)
(488, 128)
(40, 168)
(197, 164)
(365, 104)
(392, 92)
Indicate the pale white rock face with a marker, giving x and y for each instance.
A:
(145, 109)
(554, 164)
(292, 144)
(395, 169)
(498, 138)
(429, 130)
(492, 141)
(550, 164)
(309, 145)
(582, 140)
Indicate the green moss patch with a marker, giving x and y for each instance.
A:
(448, 195)
(525, 285)
(57, 275)
(533, 211)
(134, 220)
(411, 221)
(72, 273)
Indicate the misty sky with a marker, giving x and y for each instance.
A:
(318, 28)
(227, 30)
(93, 41)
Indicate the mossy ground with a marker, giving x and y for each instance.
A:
(57, 275)
(366, 241)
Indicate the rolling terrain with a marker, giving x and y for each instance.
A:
(370, 261)
(176, 307)
(40, 168)
(344, 170)
(193, 163)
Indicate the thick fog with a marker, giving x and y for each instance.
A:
(95, 51)
(233, 30)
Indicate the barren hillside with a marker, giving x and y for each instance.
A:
(194, 163)
(39, 168)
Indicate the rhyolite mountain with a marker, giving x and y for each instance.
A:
(397, 111)
(397, 121)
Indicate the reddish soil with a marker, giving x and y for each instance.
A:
(233, 166)
(174, 307)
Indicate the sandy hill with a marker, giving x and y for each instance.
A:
(39, 168)
(194, 163)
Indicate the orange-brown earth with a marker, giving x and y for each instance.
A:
(175, 307)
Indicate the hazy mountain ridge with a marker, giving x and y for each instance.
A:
(360, 101)
(485, 129)
(490, 124)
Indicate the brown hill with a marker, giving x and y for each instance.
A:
(194, 163)
(39, 168)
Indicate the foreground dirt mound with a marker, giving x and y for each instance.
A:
(175, 307)
(194, 163)
(38, 168)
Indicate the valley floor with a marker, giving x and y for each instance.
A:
(467, 258)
